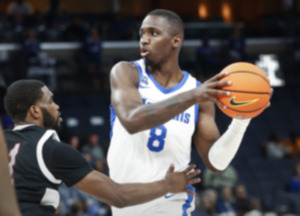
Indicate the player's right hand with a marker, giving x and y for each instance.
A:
(211, 88)
(178, 181)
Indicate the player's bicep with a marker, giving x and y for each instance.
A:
(124, 80)
(125, 97)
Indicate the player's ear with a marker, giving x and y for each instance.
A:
(177, 41)
(35, 111)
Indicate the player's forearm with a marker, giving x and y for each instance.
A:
(121, 195)
(132, 194)
(224, 149)
(152, 115)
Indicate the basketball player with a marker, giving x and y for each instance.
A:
(39, 162)
(8, 203)
(156, 110)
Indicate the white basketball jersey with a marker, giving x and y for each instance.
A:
(146, 156)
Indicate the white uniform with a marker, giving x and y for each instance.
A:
(147, 155)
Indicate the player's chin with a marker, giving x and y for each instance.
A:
(148, 62)
(57, 125)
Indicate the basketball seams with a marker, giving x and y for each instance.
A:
(251, 72)
(249, 92)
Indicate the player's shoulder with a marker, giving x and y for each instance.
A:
(52, 144)
(27, 130)
(124, 66)
(125, 71)
(56, 145)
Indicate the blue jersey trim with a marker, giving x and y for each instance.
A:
(112, 120)
(170, 90)
(197, 105)
(140, 70)
(188, 202)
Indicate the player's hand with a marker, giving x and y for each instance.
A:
(269, 104)
(212, 87)
(178, 181)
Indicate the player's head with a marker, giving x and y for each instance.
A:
(161, 33)
(175, 23)
(30, 101)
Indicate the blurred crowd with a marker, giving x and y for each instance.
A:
(277, 148)
(29, 28)
(226, 194)
(57, 24)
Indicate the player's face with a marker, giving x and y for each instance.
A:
(155, 39)
(50, 110)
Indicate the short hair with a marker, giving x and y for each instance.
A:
(20, 96)
(173, 18)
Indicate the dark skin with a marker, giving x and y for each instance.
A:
(8, 204)
(160, 45)
(101, 186)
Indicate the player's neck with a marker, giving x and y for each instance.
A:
(32, 121)
(167, 77)
(168, 68)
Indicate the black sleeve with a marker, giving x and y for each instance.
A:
(64, 162)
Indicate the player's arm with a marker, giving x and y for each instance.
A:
(8, 204)
(207, 132)
(121, 195)
(68, 165)
(136, 116)
(217, 151)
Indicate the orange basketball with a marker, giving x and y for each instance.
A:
(250, 91)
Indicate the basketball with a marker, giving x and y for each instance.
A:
(250, 91)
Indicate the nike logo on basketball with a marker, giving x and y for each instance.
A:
(235, 103)
(167, 196)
